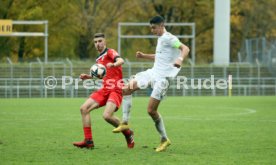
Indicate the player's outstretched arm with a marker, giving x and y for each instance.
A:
(184, 51)
(119, 62)
(84, 76)
(145, 56)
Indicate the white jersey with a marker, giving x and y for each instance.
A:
(165, 56)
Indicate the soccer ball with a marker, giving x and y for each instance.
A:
(98, 70)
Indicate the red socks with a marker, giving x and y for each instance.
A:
(87, 133)
(126, 132)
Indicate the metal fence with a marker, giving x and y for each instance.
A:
(28, 80)
(272, 58)
(261, 50)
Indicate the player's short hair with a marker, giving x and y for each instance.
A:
(157, 20)
(98, 35)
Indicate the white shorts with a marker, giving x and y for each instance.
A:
(147, 79)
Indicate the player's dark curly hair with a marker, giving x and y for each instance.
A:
(157, 20)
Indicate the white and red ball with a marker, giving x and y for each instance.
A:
(98, 70)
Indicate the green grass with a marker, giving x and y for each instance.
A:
(203, 130)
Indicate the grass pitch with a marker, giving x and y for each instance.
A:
(203, 130)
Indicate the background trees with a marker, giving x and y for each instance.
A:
(72, 24)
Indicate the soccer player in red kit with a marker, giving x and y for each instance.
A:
(110, 95)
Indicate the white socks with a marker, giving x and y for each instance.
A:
(159, 124)
(127, 103)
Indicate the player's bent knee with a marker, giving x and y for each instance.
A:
(151, 111)
(84, 110)
(106, 116)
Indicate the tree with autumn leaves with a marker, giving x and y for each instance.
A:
(72, 24)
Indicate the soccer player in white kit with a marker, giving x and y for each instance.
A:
(168, 58)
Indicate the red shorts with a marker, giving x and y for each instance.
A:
(102, 96)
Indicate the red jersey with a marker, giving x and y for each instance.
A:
(113, 75)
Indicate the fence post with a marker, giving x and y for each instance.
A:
(71, 66)
(64, 74)
(30, 79)
(239, 57)
(6, 88)
(53, 74)
(263, 87)
(192, 73)
(71, 74)
(238, 78)
(11, 76)
(129, 67)
(250, 78)
(41, 76)
(17, 89)
(259, 75)
(264, 50)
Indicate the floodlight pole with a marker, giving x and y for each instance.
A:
(222, 32)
